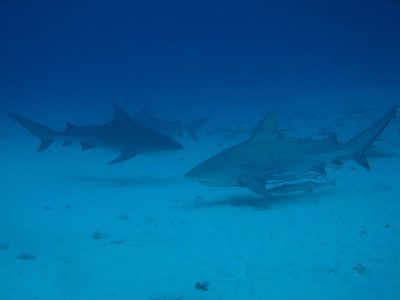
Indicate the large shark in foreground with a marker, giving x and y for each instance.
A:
(268, 155)
(169, 128)
(122, 134)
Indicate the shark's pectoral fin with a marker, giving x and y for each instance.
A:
(256, 185)
(44, 144)
(85, 147)
(361, 159)
(67, 143)
(125, 155)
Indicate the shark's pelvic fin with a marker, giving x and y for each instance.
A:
(320, 169)
(337, 162)
(332, 138)
(267, 128)
(45, 134)
(256, 185)
(67, 143)
(125, 155)
(70, 126)
(360, 143)
(85, 147)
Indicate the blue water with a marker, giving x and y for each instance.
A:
(333, 65)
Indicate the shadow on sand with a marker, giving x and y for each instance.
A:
(259, 203)
(121, 181)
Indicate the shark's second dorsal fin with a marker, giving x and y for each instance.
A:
(120, 114)
(266, 128)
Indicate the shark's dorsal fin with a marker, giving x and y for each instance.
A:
(120, 114)
(266, 128)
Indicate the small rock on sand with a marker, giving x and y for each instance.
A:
(26, 256)
(97, 235)
(4, 246)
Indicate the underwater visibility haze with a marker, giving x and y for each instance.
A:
(165, 150)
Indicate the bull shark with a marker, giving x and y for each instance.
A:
(169, 128)
(268, 155)
(121, 134)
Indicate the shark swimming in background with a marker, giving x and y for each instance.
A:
(122, 134)
(169, 128)
(268, 155)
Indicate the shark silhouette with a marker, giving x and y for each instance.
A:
(268, 155)
(169, 128)
(121, 134)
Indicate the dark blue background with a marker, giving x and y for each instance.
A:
(76, 55)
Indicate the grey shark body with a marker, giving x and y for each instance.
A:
(169, 128)
(268, 155)
(121, 135)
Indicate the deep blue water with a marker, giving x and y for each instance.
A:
(64, 54)
(321, 64)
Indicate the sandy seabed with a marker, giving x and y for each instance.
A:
(72, 227)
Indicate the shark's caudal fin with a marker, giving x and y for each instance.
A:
(45, 134)
(360, 143)
(194, 127)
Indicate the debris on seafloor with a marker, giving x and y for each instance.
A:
(116, 242)
(97, 235)
(123, 217)
(360, 269)
(26, 256)
(202, 286)
(166, 298)
(4, 246)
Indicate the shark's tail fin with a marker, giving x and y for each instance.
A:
(45, 134)
(194, 127)
(360, 143)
